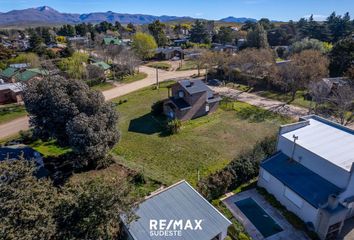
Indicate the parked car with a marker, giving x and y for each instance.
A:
(214, 82)
(175, 59)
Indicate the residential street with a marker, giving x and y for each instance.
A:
(13, 127)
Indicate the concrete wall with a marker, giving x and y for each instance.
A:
(307, 212)
(315, 163)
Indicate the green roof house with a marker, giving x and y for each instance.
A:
(112, 41)
(29, 74)
(102, 65)
(8, 73)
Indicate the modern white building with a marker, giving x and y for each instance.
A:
(312, 173)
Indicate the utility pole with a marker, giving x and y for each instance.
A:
(157, 78)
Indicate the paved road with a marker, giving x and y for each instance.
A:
(13, 127)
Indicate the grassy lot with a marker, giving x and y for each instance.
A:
(159, 65)
(49, 149)
(286, 97)
(188, 65)
(207, 143)
(134, 77)
(10, 112)
(103, 86)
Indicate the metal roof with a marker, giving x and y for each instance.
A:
(178, 202)
(194, 86)
(307, 184)
(329, 140)
(15, 87)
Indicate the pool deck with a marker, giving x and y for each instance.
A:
(289, 232)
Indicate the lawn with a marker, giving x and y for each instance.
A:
(103, 86)
(49, 149)
(187, 65)
(159, 65)
(206, 144)
(10, 112)
(134, 77)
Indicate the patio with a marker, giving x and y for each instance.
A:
(289, 232)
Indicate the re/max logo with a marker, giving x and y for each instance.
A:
(164, 224)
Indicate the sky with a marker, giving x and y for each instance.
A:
(281, 10)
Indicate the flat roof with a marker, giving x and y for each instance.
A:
(310, 186)
(329, 140)
(178, 202)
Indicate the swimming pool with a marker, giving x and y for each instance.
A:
(259, 218)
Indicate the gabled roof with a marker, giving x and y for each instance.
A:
(30, 73)
(331, 141)
(8, 72)
(307, 184)
(102, 65)
(194, 86)
(178, 202)
(112, 40)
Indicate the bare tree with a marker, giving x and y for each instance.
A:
(343, 104)
(304, 68)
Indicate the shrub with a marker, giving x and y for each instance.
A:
(174, 126)
(239, 171)
(157, 108)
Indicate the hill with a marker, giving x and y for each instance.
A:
(238, 20)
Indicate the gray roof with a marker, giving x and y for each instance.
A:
(15, 87)
(329, 140)
(178, 202)
(168, 50)
(19, 65)
(194, 86)
(307, 184)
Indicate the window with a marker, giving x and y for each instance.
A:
(265, 175)
(207, 108)
(293, 197)
(181, 94)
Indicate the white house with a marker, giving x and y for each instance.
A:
(312, 173)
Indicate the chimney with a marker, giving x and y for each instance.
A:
(333, 201)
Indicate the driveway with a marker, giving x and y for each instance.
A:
(11, 128)
(266, 103)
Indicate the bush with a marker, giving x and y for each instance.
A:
(239, 171)
(174, 126)
(157, 108)
(26, 137)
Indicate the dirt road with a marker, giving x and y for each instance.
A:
(13, 127)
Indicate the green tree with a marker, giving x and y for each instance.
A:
(92, 209)
(341, 57)
(27, 204)
(74, 115)
(308, 44)
(157, 31)
(257, 38)
(35, 41)
(340, 27)
(74, 66)
(225, 35)
(31, 58)
(199, 32)
(144, 45)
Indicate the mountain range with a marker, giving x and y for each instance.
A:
(47, 15)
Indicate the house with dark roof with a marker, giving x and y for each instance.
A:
(189, 99)
(169, 53)
(312, 173)
(177, 212)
